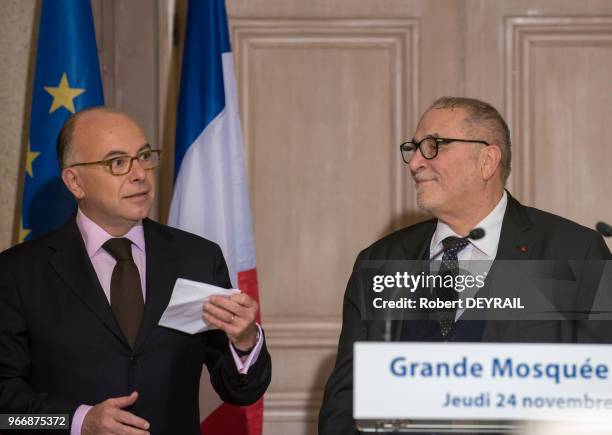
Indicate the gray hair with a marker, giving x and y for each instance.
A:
(485, 116)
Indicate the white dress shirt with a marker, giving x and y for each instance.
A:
(477, 257)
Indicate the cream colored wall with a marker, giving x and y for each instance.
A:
(16, 24)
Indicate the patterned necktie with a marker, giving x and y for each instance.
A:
(126, 291)
(450, 266)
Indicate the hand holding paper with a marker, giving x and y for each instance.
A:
(236, 316)
(184, 312)
(196, 307)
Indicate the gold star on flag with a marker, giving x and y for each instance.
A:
(63, 95)
(30, 157)
(23, 232)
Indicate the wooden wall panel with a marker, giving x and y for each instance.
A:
(324, 105)
(560, 112)
(295, 392)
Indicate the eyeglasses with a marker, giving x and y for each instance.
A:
(121, 165)
(429, 146)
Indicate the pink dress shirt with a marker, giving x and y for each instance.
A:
(94, 237)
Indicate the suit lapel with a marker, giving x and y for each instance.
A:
(161, 276)
(517, 241)
(414, 248)
(417, 247)
(71, 262)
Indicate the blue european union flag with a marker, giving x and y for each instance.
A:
(67, 80)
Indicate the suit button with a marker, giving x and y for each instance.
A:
(134, 360)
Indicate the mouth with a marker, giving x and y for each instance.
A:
(421, 180)
(139, 195)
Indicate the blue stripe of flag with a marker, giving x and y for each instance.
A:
(201, 96)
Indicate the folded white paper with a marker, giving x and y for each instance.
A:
(184, 312)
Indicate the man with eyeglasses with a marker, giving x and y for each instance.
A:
(459, 159)
(79, 307)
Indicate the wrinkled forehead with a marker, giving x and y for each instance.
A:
(445, 122)
(98, 134)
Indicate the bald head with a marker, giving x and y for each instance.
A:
(78, 126)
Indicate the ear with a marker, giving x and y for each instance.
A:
(490, 161)
(71, 179)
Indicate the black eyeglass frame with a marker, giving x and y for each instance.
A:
(439, 141)
(109, 162)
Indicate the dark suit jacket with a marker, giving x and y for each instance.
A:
(60, 345)
(527, 234)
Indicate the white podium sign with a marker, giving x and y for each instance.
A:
(481, 381)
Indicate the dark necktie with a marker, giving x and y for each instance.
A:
(126, 291)
(450, 266)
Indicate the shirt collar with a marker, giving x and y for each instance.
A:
(95, 236)
(491, 224)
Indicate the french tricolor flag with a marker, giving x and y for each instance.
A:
(210, 191)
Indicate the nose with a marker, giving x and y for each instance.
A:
(137, 173)
(417, 161)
